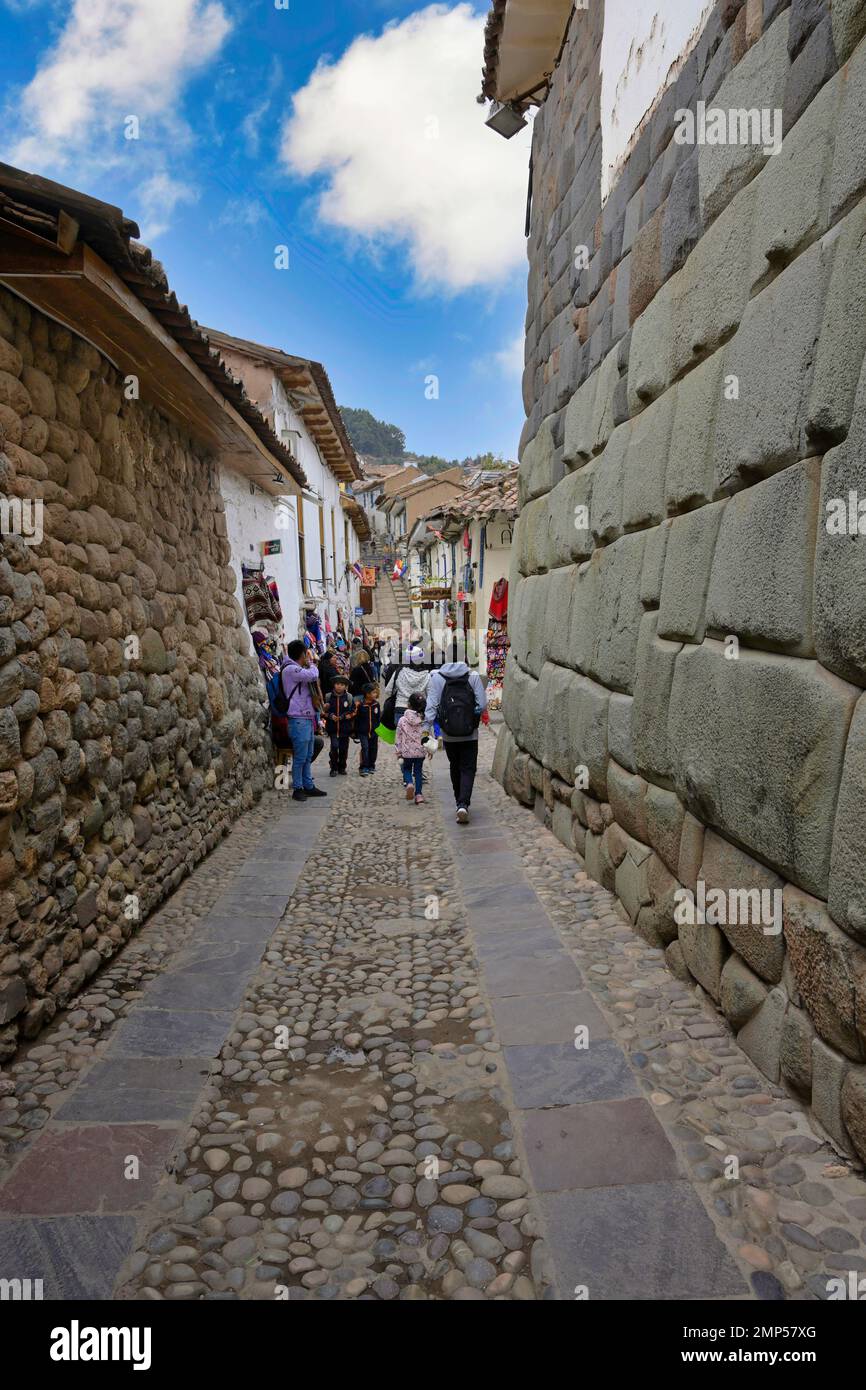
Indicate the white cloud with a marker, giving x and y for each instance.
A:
(242, 212)
(507, 361)
(113, 58)
(160, 195)
(395, 128)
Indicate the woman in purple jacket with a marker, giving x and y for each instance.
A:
(299, 676)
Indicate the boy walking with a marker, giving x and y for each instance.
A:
(368, 717)
(339, 722)
(456, 701)
(410, 747)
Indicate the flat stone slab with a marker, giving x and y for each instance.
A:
(225, 927)
(548, 1018)
(503, 903)
(149, 1032)
(85, 1170)
(531, 973)
(654, 1241)
(76, 1257)
(604, 1143)
(550, 1074)
(118, 1090)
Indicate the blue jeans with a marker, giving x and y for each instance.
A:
(302, 733)
(414, 768)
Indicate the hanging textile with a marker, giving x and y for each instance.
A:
(499, 601)
(275, 596)
(259, 600)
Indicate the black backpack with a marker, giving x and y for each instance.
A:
(457, 708)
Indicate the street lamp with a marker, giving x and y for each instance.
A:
(505, 119)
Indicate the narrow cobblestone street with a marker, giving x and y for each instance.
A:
(342, 1061)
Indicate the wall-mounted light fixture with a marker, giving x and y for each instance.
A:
(505, 119)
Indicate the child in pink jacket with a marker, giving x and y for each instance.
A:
(410, 747)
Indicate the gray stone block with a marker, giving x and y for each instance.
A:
(842, 342)
(579, 436)
(584, 615)
(681, 229)
(568, 538)
(847, 896)
(689, 480)
(828, 1077)
(691, 852)
(688, 565)
(643, 502)
(650, 355)
(713, 292)
(664, 824)
(762, 575)
(558, 595)
(849, 26)
(741, 994)
(602, 406)
(650, 726)
(538, 465)
(814, 66)
(535, 546)
(829, 970)
(758, 80)
(633, 220)
(849, 161)
(778, 796)
(705, 951)
(626, 792)
(854, 1108)
(755, 899)
(805, 16)
(772, 356)
(761, 1038)
(618, 612)
(619, 734)
(839, 615)
(586, 717)
(793, 189)
(607, 490)
(654, 564)
(795, 1053)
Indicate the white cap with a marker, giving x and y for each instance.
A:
(416, 655)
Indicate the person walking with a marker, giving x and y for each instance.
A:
(456, 701)
(298, 677)
(410, 747)
(362, 672)
(339, 723)
(368, 715)
(403, 681)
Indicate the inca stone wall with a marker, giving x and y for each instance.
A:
(685, 696)
(130, 710)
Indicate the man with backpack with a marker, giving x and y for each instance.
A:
(456, 702)
(297, 678)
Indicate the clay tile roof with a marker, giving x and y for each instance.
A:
(497, 492)
(24, 197)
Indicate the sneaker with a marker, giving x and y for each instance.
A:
(410, 792)
(419, 800)
(299, 796)
(462, 815)
(333, 772)
(314, 791)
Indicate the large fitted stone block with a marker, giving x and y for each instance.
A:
(588, 737)
(839, 614)
(655, 551)
(556, 696)
(756, 935)
(761, 1038)
(772, 356)
(830, 972)
(537, 466)
(849, 26)
(842, 342)
(607, 491)
(602, 405)
(579, 436)
(650, 354)
(626, 792)
(688, 564)
(618, 612)
(584, 616)
(689, 480)
(619, 730)
(849, 161)
(712, 289)
(847, 896)
(762, 574)
(854, 1108)
(775, 794)
(758, 80)
(664, 822)
(741, 994)
(535, 519)
(793, 189)
(643, 502)
(705, 951)
(568, 537)
(829, 1071)
(559, 591)
(650, 724)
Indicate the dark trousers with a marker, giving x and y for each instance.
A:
(462, 761)
(369, 749)
(339, 752)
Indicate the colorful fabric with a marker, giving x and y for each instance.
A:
(499, 601)
(258, 600)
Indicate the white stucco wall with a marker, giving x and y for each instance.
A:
(252, 519)
(643, 46)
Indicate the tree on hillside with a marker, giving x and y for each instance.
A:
(371, 436)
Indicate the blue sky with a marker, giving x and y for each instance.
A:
(344, 130)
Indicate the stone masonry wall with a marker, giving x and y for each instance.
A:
(696, 639)
(121, 766)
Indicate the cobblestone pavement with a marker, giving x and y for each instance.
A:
(341, 1062)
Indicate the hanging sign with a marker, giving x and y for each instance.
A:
(368, 577)
(272, 547)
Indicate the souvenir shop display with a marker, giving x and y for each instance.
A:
(497, 643)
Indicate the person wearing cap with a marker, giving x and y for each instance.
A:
(407, 680)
